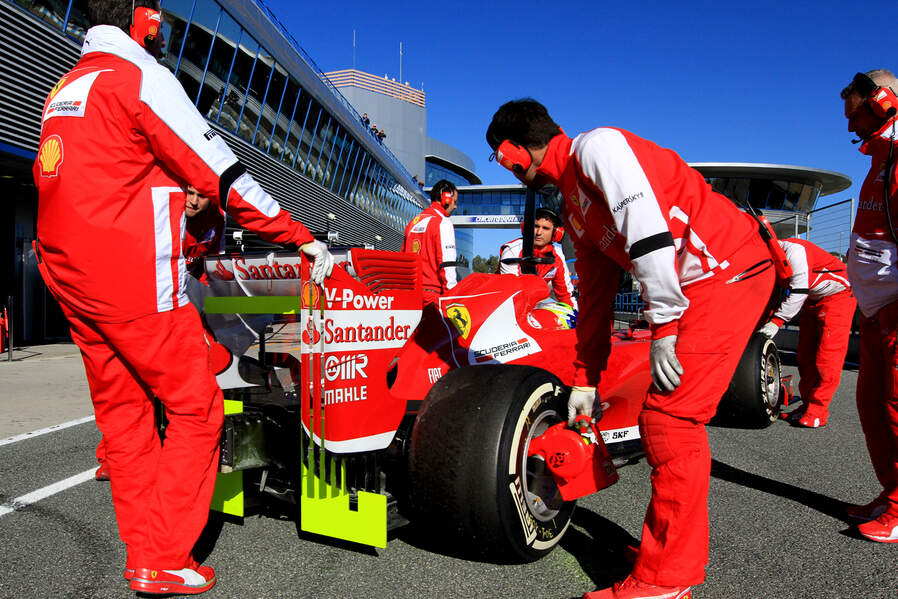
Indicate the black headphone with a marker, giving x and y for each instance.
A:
(881, 100)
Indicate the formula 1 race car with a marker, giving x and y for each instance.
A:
(367, 412)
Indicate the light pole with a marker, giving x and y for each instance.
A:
(332, 236)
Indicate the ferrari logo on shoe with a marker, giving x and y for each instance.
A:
(460, 318)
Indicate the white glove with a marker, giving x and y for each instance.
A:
(769, 330)
(324, 260)
(665, 365)
(583, 401)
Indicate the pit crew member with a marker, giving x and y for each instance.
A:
(432, 236)
(820, 291)
(706, 277)
(119, 139)
(547, 234)
(870, 107)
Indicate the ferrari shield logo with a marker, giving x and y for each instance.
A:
(460, 318)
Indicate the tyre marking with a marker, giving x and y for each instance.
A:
(517, 493)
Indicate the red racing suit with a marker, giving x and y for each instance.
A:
(432, 236)
(706, 277)
(556, 274)
(873, 271)
(820, 291)
(119, 142)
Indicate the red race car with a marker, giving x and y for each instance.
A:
(350, 402)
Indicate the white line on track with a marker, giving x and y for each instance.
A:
(44, 431)
(25, 500)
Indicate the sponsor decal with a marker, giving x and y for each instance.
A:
(517, 494)
(348, 299)
(266, 272)
(311, 336)
(585, 204)
(311, 295)
(360, 333)
(870, 205)
(49, 156)
(627, 200)
(533, 321)
(347, 368)
(504, 350)
(576, 224)
(495, 219)
(620, 434)
(608, 235)
(575, 200)
(69, 98)
(222, 272)
(420, 226)
(434, 374)
(416, 246)
(460, 318)
(345, 395)
(210, 134)
(59, 85)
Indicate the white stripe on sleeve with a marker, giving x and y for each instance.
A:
(165, 286)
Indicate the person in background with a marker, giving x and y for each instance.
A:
(432, 236)
(706, 277)
(870, 107)
(819, 290)
(547, 236)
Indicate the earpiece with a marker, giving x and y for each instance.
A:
(515, 158)
(881, 100)
(545, 213)
(145, 25)
(446, 198)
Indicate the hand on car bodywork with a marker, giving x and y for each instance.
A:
(769, 330)
(323, 260)
(666, 368)
(583, 401)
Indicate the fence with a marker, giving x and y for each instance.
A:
(828, 227)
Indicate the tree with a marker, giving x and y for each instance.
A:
(480, 264)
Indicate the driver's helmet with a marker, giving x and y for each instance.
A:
(552, 315)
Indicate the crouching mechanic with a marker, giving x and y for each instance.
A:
(706, 277)
(820, 291)
(432, 236)
(119, 139)
(547, 231)
(870, 107)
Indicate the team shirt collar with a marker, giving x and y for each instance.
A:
(881, 140)
(558, 155)
(112, 40)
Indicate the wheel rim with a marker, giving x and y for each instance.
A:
(540, 490)
(771, 373)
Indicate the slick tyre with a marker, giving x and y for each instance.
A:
(470, 477)
(753, 399)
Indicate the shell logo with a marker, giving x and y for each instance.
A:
(416, 246)
(311, 296)
(49, 156)
(58, 86)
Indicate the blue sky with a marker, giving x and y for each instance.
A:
(715, 81)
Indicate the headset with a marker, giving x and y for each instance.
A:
(881, 100)
(545, 213)
(445, 189)
(514, 157)
(145, 24)
(445, 199)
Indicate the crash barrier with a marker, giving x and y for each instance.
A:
(629, 302)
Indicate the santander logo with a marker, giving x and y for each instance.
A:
(265, 272)
(221, 272)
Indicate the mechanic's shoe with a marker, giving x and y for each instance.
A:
(809, 421)
(630, 588)
(102, 472)
(631, 553)
(128, 573)
(185, 581)
(882, 530)
(869, 511)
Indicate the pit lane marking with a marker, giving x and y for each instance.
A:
(20, 503)
(44, 431)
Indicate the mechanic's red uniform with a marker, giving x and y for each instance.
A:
(432, 236)
(119, 141)
(706, 277)
(873, 272)
(820, 291)
(556, 274)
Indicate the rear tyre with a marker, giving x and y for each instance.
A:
(754, 397)
(470, 477)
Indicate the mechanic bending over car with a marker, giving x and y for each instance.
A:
(118, 142)
(820, 291)
(203, 235)
(547, 231)
(631, 204)
(432, 236)
(870, 107)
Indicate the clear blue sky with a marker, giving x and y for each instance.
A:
(715, 81)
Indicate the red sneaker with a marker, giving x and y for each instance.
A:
(185, 581)
(810, 421)
(630, 588)
(128, 573)
(868, 511)
(882, 530)
(102, 472)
